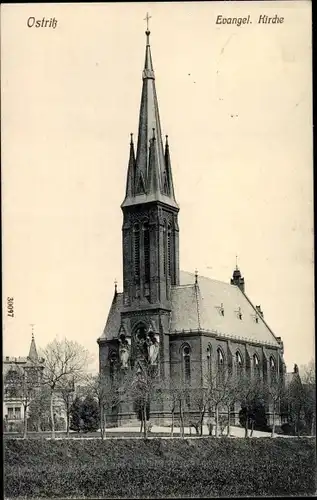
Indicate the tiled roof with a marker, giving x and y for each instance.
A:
(199, 308)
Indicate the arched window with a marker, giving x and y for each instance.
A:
(209, 361)
(273, 369)
(239, 364)
(146, 243)
(220, 365)
(169, 250)
(136, 252)
(186, 364)
(256, 366)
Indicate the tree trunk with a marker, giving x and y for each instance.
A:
(228, 427)
(273, 422)
(25, 422)
(52, 416)
(102, 428)
(217, 421)
(202, 421)
(181, 418)
(252, 428)
(144, 422)
(104, 423)
(246, 425)
(67, 421)
(172, 426)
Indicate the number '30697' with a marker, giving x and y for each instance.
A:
(10, 306)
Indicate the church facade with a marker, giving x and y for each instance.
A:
(181, 323)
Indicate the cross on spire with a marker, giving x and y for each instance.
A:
(147, 18)
(32, 325)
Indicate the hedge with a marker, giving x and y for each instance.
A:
(159, 468)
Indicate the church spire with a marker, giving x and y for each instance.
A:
(145, 182)
(33, 356)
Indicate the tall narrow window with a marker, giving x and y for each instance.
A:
(220, 365)
(256, 366)
(186, 360)
(164, 248)
(136, 252)
(239, 364)
(209, 362)
(273, 369)
(169, 250)
(146, 240)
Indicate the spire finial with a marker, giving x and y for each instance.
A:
(131, 140)
(147, 18)
(153, 130)
(237, 262)
(115, 286)
(196, 276)
(32, 325)
(166, 140)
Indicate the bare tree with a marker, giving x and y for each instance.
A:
(67, 391)
(216, 382)
(251, 394)
(231, 395)
(275, 392)
(308, 377)
(143, 387)
(108, 395)
(62, 360)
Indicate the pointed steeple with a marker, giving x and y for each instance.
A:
(33, 356)
(168, 179)
(140, 187)
(131, 170)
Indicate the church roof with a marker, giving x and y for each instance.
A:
(114, 318)
(217, 307)
(200, 308)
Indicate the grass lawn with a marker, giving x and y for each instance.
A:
(159, 468)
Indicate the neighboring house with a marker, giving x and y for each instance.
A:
(183, 323)
(22, 374)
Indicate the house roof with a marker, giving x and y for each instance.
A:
(198, 307)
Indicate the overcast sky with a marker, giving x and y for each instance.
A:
(236, 103)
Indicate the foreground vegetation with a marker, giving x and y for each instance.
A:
(159, 468)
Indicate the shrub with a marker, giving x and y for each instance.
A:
(90, 414)
(132, 468)
(75, 415)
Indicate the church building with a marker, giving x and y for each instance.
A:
(182, 323)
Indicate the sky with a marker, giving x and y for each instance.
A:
(236, 103)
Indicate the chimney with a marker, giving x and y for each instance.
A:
(258, 308)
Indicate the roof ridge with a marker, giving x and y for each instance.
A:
(207, 278)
